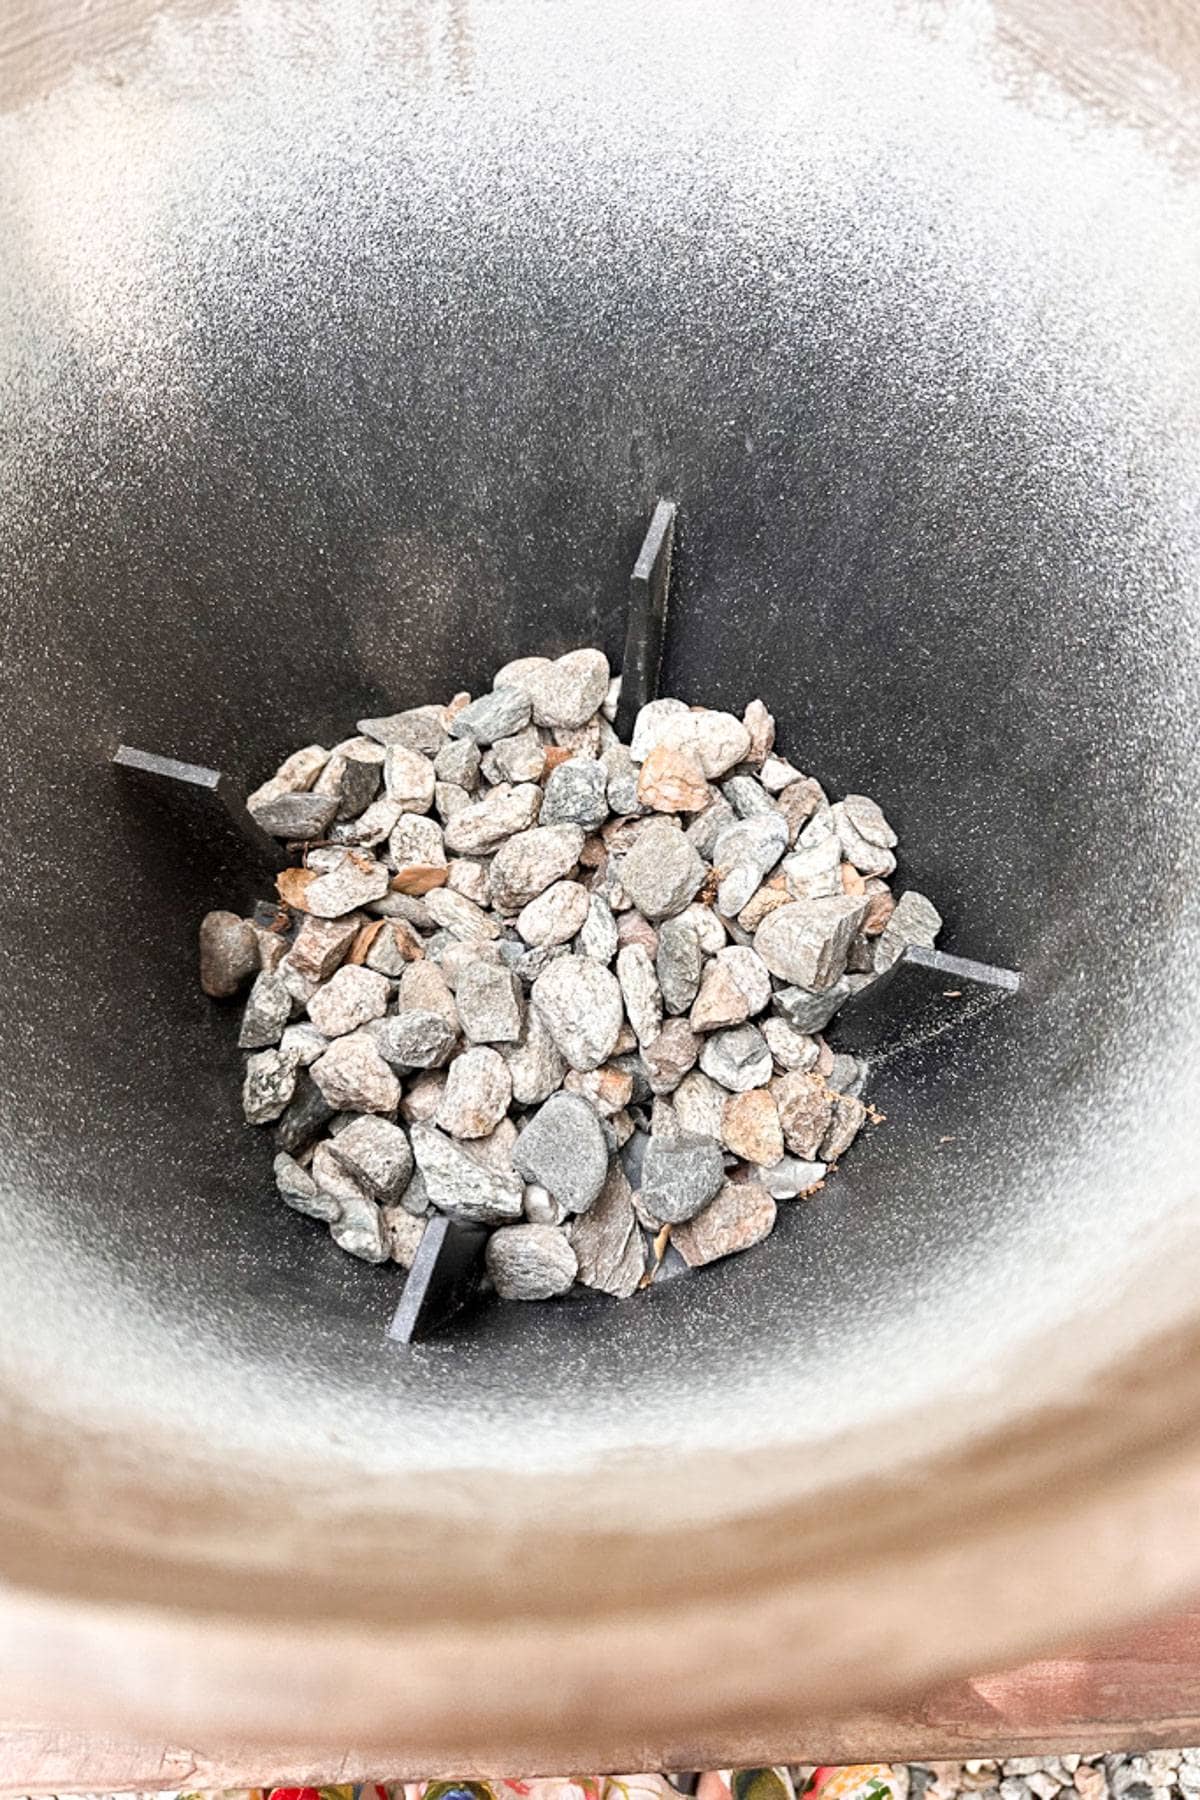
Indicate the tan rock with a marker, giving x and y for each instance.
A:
(852, 881)
(750, 1127)
(742, 1214)
(418, 878)
(844, 1127)
(672, 781)
(609, 1089)
(761, 726)
(805, 1110)
(424, 1096)
(798, 802)
(881, 904)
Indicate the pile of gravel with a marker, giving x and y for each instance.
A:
(568, 988)
(1086, 1775)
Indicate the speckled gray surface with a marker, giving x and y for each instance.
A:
(344, 361)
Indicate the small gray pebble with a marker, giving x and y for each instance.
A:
(461, 917)
(269, 1085)
(744, 855)
(580, 1003)
(295, 817)
(489, 1000)
(530, 1262)
(640, 992)
(360, 1232)
(806, 941)
(598, 933)
(529, 861)
(268, 1009)
(738, 1058)
(521, 757)
(495, 715)
(807, 1011)
(847, 1076)
(662, 873)
(575, 794)
(748, 797)
(622, 784)
(462, 1183)
(458, 762)
(633, 1156)
(541, 1208)
(607, 1242)
(556, 916)
(679, 1176)
(228, 953)
(485, 823)
(678, 963)
(413, 1039)
(790, 1176)
(298, 1190)
(477, 1093)
(707, 826)
(307, 1116)
(420, 728)
(563, 1149)
(915, 921)
(377, 1154)
(304, 1042)
(533, 1061)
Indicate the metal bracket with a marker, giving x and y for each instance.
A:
(648, 586)
(208, 806)
(444, 1278)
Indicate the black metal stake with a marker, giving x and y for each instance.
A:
(445, 1277)
(923, 994)
(207, 805)
(647, 623)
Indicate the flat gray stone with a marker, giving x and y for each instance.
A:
(735, 986)
(487, 822)
(490, 1004)
(807, 1009)
(371, 826)
(463, 1184)
(353, 1076)
(228, 953)
(306, 1117)
(408, 778)
(416, 841)
(420, 728)
(495, 715)
(815, 873)
(640, 992)
(744, 855)
(777, 773)
(847, 1076)
(805, 1112)
(304, 1042)
(915, 921)
(468, 875)
(563, 1149)
(790, 1049)
(679, 962)
(461, 917)
(849, 1115)
(867, 857)
(580, 1003)
(293, 776)
(598, 933)
(790, 1177)
(351, 776)
(296, 817)
(359, 1231)
(521, 757)
(269, 1085)
(394, 949)
(333, 1178)
(477, 1093)
(608, 1245)
(268, 1009)
(530, 1262)
(424, 988)
(679, 1176)
(748, 798)
(557, 915)
(622, 784)
(298, 1190)
(413, 1039)
(737, 1059)
(576, 794)
(377, 1154)
(527, 864)
(806, 941)
(318, 948)
(541, 1208)
(351, 997)
(449, 799)
(663, 872)
(355, 879)
(533, 1061)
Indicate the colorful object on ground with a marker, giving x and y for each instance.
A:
(864, 1781)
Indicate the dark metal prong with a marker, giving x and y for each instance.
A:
(647, 624)
(444, 1277)
(922, 995)
(206, 802)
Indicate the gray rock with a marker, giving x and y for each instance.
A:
(716, 739)
(489, 821)
(318, 948)
(370, 827)
(867, 858)
(408, 778)
(598, 933)
(633, 1157)
(295, 817)
(738, 1059)
(463, 1184)
(306, 1117)
(744, 855)
(408, 907)
(416, 842)
(679, 1176)
(678, 962)
(815, 873)
(915, 921)
(529, 861)
(298, 1190)
(477, 1093)
(415, 1198)
(527, 965)
(449, 799)
(377, 1154)
(566, 692)
(304, 1042)
(748, 798)
(269, 1085)
(670, 1055)
(640, 992)
(356, 879)
(557, 915)
(533, 1061)
(468, 875)
(563, 1149)
(707, 826)
(490, 1004)
(847, 1076)
(742, 1214)
(849, 1114)
(421, 728)
(789, 1048)
(333, 1178)
(413, 1039)
(353, 1076)
(805, 1111)
(492, 716)
(360, 1232)
(699, 1104)
(576, 794)
(806, 1010)
(228, 953)
(350, 998)
(530, 1262)
(395, 949)
(608, 1245)
(521, 757)
(777, 773)
(461, 917)
(458, 762)
(351, 776)
(662, 872)
(622, 782)
(806, 941)
(580, 1003)
(268, 1009)
(455, 958)
(790, 1177)
(541, 1208)
(866, 819)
